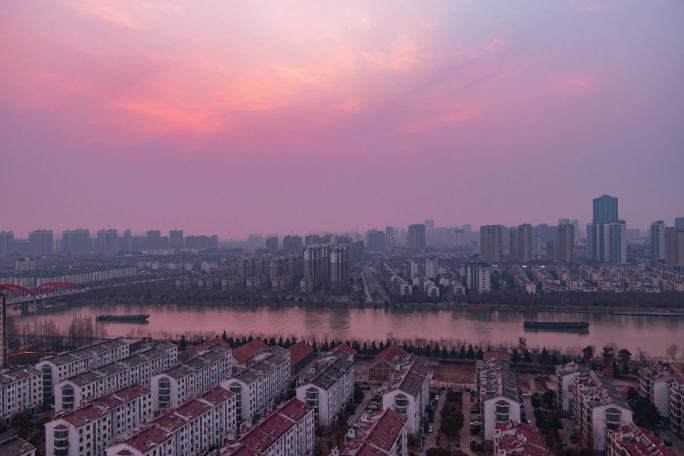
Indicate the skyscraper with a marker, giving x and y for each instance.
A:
(154, 239)
(339, 268)
(375, 240)
(565, 244)
(679, 223)
(477, 277)
(106, 242)
(490, 242)
(416, 237)
(523, 248)
(658, 241)
(272, 244)
(292, 244)
(607, 235)
(176, 239)
(6, 243)
(41, 242)
(431, 267)
(390, 238)
(674, 246)
(76, 241)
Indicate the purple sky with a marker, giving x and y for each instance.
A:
(291, 116)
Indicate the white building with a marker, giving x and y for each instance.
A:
(598, 409)
(189, 430)
(477, 277)
(516, 439)
(654, 384)
(260, 386)
(20, 390)
(431, 267)
(89, 430)
(566, 374)
(676, 406)
(12, 445)
(138, 368)
(381, 433)
(498, 395)
(64, 365)
(632, 440)
(288, 431)
(331, 388)
(188, 380)
(407, 391)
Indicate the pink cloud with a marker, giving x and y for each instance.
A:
(573, 83)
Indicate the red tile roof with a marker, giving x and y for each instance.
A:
(249, 350)
(497, 355)
(299, 351)
(388, 354)
(345, 348)
(195, 349)
(387, 430)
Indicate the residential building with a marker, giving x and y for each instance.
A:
(598, 409)
(674, 246)
(300, 355)
(76, 242)
(490, 242)
(20, 391)
(317, 264)
(377, 433)
(519, 439)
(192, 429)
(245, 354)
(658, 241)
(566, 374)
(633, 440)
(678, 223)
(339, 268)
(4, 335)
(330, 389)
(498, 395)
(520, 245)
(287, 431)
(676, 404)
(199, 374)
(654, 385)
(56, 368)
(139, 368)
(416, 237)
(261, 385)
(407, 392)
(565, 243)
(477, 277)
(376, 241)
(13, 445)
(107, 242)
(176, 239)
(292, 244)
(607, 235)
(41, 242)
(383, 364)
(272, 245)
(89, 430)
(431, 267)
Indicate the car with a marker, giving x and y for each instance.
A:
(564, 443)
(667, 443)
(527, 394)
(437, 397)
(430, 429)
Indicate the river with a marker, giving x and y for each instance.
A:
(650, 334)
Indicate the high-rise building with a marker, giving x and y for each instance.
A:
(615, 235)
(272, 244)
(339, 268)
(6, 243)
(292, 244)
(176, 239)
(3, 329)
(605, 209)
(126, 241)
(658, 241)
(416, 237)
(317, 264)
(41, 242)
(524, 246)
(390, 238)
(490, 242)
(607, 235)
(679, 223)
(477, 277)
(76, 241)
(106, 242)
(565, 244)
(375, 240)
(431, 267)
(674, 246)
(154, 239)
(459, 237)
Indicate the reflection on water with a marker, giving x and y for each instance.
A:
(650, 334)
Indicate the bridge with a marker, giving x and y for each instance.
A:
(19, 295)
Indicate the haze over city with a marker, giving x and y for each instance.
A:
(234, 118)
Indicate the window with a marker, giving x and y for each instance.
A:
(502, 411)
(401, 404)
(613, 417)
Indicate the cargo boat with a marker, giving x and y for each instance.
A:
(142, 318)
(578, 326)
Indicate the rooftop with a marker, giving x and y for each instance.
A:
(248, 351)
(374, 433)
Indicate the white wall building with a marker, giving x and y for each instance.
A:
(260, 386)
(288, 431)
(138, 368)
(89, 430)
(516, 439)
(477, 277)
(189, 430)
(408, 391)
(498, 395)
(20, 390)
(331, 388)
(188, 380)
(381, 433)
(632, 440)
(64, 365)
(566, 374)
(654, 384)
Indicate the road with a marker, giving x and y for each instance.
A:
(368, 395)
(431, 438)
(465, 431)
(376, 290)
(529, 411)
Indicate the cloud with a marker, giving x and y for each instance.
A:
(105, 10)
(577, 84)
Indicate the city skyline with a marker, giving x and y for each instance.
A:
(166, 116)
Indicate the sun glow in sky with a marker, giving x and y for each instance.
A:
(288, 116)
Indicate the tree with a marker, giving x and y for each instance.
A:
(625, 355)
(588, 353)
(672, 351)
(471, 352)
(451, 424)
(437, 452)
(549, 398)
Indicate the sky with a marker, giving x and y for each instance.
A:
(312, 115)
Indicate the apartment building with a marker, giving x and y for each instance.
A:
(244, 354)
(287, 431)
(598, 409)
(498, 395)
(383, 364)
(64, 365)
(199, 374)
(514, 439)
(89, 430)
(380, 433)
(260, 386)
(408, 392)
(566, 374)
(676, 405)
(136, 369)
(330, 389)
(190, 430)
(20, 390)
(654, 384)
(12, 445)
(632, 440)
